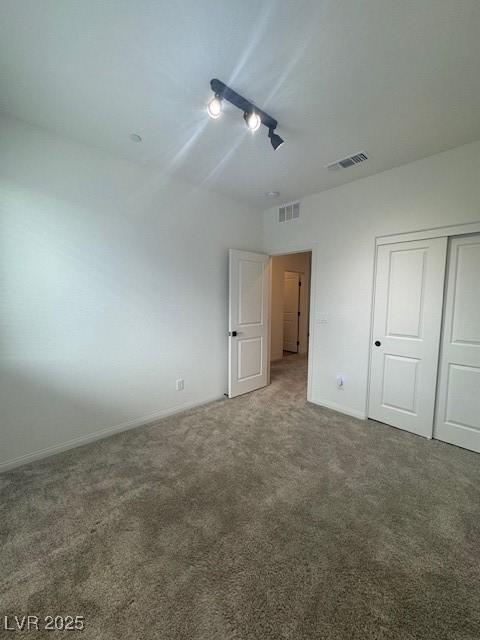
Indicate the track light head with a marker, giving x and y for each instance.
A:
(253, 120)
(214, 107)
(275, 139)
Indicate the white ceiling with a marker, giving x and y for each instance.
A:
(400, 80)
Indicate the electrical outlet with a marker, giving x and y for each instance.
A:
(180, 384)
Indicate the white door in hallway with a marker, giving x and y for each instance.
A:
(291, 310)
(458, 402)
(406, 333)
(248, 322)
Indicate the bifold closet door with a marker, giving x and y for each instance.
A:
(406, 333)
(458, 401)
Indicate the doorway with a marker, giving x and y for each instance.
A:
(260, 325)
(290, 308)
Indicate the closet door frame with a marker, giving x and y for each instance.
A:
(424, 234)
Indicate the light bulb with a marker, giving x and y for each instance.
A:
(253, 120)
(214, 108)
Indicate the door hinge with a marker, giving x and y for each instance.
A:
(299, 283)
(298, 343)
(299, 313)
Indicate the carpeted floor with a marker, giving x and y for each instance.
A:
(262, 518)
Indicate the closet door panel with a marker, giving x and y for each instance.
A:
(406, 333)
(457, 417)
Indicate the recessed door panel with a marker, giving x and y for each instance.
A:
(458, 400)
(466, 294)
(250, 292)
(405, 292)
(463, 392)
(400, 383)
(249, 358)
(406, 333)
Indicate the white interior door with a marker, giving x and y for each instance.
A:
(458, 400)
(291, 310)
(406, 333)
(248, 322)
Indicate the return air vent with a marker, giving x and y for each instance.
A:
(289, 212)
(348, 162)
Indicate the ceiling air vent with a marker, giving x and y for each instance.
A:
(289, 212)
(348, 162)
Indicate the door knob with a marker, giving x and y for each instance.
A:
(378, 343)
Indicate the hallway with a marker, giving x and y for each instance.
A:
(258, 518)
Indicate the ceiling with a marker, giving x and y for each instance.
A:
(399, 80)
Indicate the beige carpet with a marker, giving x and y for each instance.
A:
(260, 518)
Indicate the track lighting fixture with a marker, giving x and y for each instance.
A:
(253, 116)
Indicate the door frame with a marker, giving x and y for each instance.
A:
(311, 247)
(424, 234)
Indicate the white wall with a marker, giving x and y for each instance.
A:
(342, 223)
(114, 284)
(300, 263)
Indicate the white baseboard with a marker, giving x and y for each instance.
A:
(99, 435)
(340, 408)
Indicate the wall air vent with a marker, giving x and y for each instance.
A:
(348, 162)
(289, 212)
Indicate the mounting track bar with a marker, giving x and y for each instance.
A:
(221, 90)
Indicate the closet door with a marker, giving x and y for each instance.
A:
(458, 402)
(406, 333)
